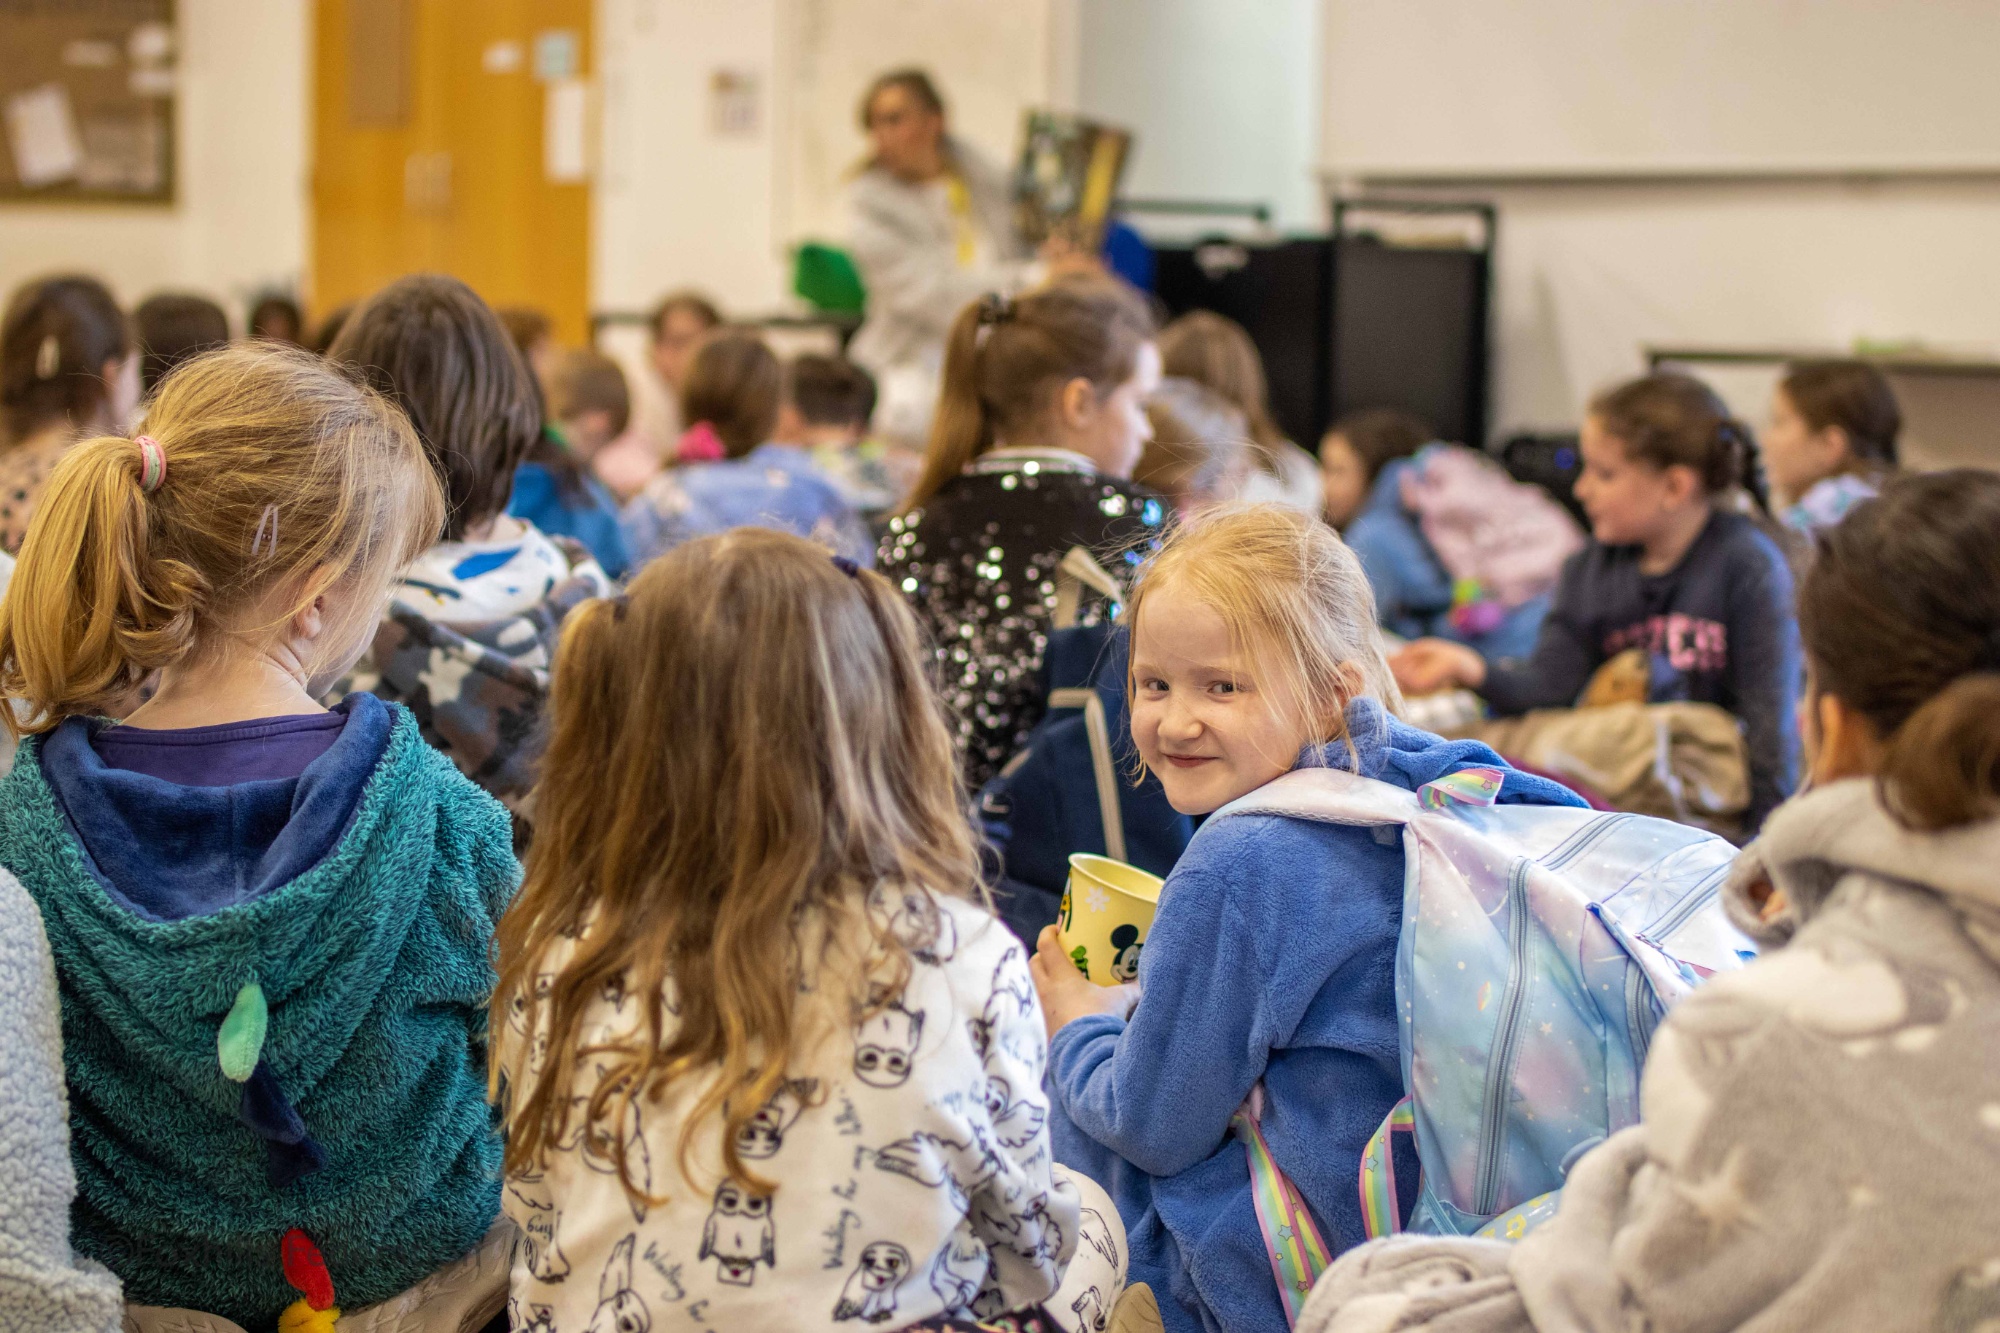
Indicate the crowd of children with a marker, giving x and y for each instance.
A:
(448, 818)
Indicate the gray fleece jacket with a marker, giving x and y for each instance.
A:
(44, 1287)
(1820, 1143)
(905, 244)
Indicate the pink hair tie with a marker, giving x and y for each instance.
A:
(152, 463)
(700, 444)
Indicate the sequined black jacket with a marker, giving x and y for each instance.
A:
(978, 563)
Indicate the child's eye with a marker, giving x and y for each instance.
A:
(1154, 686)
(1223, 687)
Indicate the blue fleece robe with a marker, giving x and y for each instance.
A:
(361, 896)
(1272, 958)
(1413, 593)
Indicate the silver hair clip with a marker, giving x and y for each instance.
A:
(267, 533)
(48, 357)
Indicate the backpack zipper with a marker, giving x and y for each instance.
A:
(1582, 840)
(1676, 916)
(1500, 1069)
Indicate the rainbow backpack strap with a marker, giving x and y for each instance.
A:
(1468, 786)
(1291, 1238)
(1380, 1212)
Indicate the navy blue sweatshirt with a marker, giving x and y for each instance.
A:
(1719, 627)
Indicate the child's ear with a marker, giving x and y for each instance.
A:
(1075, 402)
(1839, 444)
(1683, 485)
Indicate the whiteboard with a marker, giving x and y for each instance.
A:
(1581, 88)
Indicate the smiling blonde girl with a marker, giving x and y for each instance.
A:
(1254, 651)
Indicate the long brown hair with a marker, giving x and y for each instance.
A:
(429, 343)
(282, 475)
(687, 856)
(1005, 360)
(1215, 350)
(1900, 616)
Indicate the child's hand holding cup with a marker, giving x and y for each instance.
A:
(1085, 961)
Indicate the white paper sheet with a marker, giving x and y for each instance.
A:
(41, 130)
(565, 131)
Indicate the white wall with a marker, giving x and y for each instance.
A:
(1594, 86)
(238, 223)
(1223, 98)
(1590, 274)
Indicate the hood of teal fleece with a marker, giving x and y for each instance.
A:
(375, 963)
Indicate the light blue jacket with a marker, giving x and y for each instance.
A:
(772, 486)
(1413, 593)
(1272, 958)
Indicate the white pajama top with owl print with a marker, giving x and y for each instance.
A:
(909, 1148)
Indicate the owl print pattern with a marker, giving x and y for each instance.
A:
(900, 1172)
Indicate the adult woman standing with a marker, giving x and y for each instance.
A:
(931, 228)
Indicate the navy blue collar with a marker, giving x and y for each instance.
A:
(167, 852)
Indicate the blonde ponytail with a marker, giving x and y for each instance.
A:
(273, 474)
(89, 613)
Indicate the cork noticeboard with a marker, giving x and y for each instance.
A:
(87, 94)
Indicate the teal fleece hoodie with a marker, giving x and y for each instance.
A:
(374, 959)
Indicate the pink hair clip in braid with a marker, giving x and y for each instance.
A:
(152, 463)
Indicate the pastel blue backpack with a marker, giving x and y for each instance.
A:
(1540, 948)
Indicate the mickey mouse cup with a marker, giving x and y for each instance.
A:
(1107, 907)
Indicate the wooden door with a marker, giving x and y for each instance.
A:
(429, 128)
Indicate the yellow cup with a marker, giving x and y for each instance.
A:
(1107, 908)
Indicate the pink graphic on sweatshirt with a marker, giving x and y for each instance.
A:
(1687, 642)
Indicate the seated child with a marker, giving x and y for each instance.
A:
(1486, 579)
(1831, 441)
(271, 921)
(1216, 352)
(469, 632)
(766, 1059)
(533, 336)
(1254, 651)
(554, 489)
(732, 472)
(1773, 1183)
(828, 404)
(67, 370)
(173, 327)
(1669, 570)
(1041, 419)
(1200, 451)
(679, 324)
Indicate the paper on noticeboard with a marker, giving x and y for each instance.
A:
(41, 131)
(565, 131)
